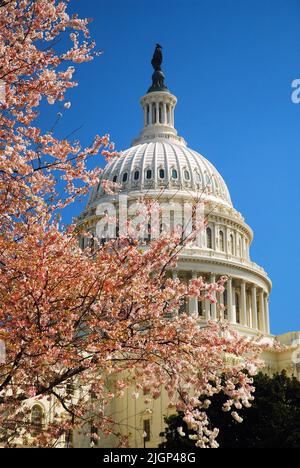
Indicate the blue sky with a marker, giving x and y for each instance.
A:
(231, 64)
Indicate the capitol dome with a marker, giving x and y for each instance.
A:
(169, 165)
(159, 165)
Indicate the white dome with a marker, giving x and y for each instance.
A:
(165, 165)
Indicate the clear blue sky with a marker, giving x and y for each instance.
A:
(231, 64)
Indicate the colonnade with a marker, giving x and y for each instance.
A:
(245, 304)
(158, 113)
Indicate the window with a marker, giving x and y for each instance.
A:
(136, 175)
(148, 174)
(231, 244)
(161, 173)
(237, 308)
(200, 308)
(208, 238)
(115, 178)
(197, 176)
(147, 430)
(187, 175)
(174, 174)
(125, 177)
(37, 417)
(222, 243)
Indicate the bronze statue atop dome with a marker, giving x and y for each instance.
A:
(158, 77)
(157, 58)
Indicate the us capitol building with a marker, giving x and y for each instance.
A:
(160, 164)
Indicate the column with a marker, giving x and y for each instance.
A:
(145, 115)
(172, 115)
(150, 113)
(233, 308)
(267, 316)
(157, 113)
(229, 299)
(164, 113)
(213, 306)
(254, 307)
(193, 301)
(207, 309)
(262, 311)
(243, 304)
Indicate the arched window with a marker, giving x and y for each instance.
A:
(174, 174)
(197, 177)
(222, 242)
(148, 174)
(237, 308)
(209, 238)
(231, 244)
(187, 175)
(125, 177)
(136, 175)
(37, 417)
(161, 173)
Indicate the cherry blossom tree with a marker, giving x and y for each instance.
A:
(73, 318)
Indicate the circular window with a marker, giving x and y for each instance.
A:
(136, 175)
(174, 174)
(148, 174)
(125, 176)
(187, 175)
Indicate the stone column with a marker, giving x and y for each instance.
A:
(243, 304)
(262, 311)
(150, 113)
(172, 115)
(267, 316)
(254, 307)
(229, 299)
(233, 308)
(145, 115)
(213, 306)
(193, 301)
